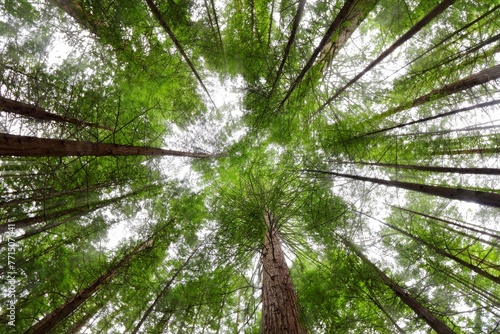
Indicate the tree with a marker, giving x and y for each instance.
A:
(345, 175)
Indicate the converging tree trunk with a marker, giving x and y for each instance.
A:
(434, 322)
(13, 145)
(23, 109)
(480, 197)
(51, 320)
(280, 314)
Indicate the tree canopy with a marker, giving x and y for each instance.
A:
(250, 166)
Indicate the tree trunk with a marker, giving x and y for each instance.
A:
(347, 20)
(165, 26)
(41, 197)
(444, 253)
(476, 79)
(12, 145)
(449, 113)
(51, 320)
(38, 113)
(434, 322)
(441, 7)
(280, 314)
(479, 171)
(471, 227)
(480, 197)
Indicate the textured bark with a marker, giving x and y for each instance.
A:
(351, 12)
(441, 7)
(479, 171)
(480, 197)
(51, 320)
(473, 80)
(434, 322)
(280, 314)
(28, 110)
(12, 145)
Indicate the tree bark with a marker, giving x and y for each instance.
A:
(28, 110)
(13, 145)
(441, 7)
(280, 313)
(434, 322)
(480, 197)
(51, 320)
(479, 171)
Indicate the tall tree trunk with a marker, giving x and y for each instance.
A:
(426, 119)
(280, 314)
(467, 226)
(454, 170)
(12, 145)
(441, 7)
(444, 253)
(38, 113)
(166, 27)
(347, 20)
(473, 80)
(42, 196)
(434, 322)
(480, 197)
(165, 289)
(51, 320)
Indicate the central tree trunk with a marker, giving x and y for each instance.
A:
(279, 301)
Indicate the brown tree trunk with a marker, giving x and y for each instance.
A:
(480, 197)
(444, 253)
(41, 197)
(38, 113)
(479, 171)
(51, 320)
(476, 79)
(434, 322)
(449, 113)
(165, 26)
(280, 314)
(12, 145)
(441, 7)
(347, 20)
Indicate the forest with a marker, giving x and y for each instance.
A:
(250, 166)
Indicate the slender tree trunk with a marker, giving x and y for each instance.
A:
(441, 7)
(280, 314)
(12, 145)
(470, 227)
(76, 212)
(38, 113)
(163, 292)
(383, 310)
(453, 112)
(473, 80)
(487, 150)
(347, 20)
(444, 253)
(479, 171)
(41, 197)
(51, 320)
(434, 322)
(165, 26)
(480, 197)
